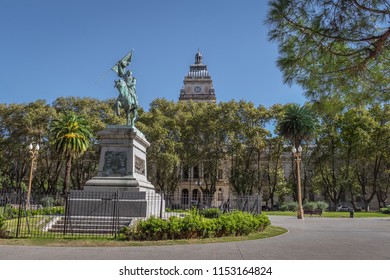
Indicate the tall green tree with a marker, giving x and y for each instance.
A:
(380, 152)
(351, 156)
(97, 113)
(298, 124)
(273, 176)
(20, 125)
(366, 132)
(71, 137)
(337, 47)
(329, 161)
(162, 128)
(191, 137)
(356, 131)
(245, 144)
(213, 134)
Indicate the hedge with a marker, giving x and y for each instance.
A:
(196, 225)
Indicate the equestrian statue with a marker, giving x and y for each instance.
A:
(127, 98)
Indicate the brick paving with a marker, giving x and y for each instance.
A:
(308, 239)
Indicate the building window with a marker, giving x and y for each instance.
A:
(186, 173)
(184, 197)
(195, 195)
(220, 196)
(196, 172)
(207, 196)
(220, 174)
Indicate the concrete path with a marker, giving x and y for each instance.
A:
(308, 239)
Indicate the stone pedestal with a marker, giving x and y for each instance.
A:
(122, 164)
(122, 171)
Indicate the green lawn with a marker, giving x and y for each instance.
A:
(270, 231)
(37, 222)
(332, 214)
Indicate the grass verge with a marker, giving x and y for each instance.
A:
(332, 214)
(271, 231)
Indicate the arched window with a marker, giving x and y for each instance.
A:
(195, 195)
(184, 197)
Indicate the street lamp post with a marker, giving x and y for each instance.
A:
(199, 184)
(33, 154)
(297, 158)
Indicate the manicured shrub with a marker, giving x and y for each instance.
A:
(245, 223)
(310, 205)
(211, 213)
(175, 210)
(174, 228)
(192, 226)
(313, 205)
(385, 210)
(59, 201)
(12, 212)
(47, 201)
(153, 229)
(3, 227)
(322, 205)
(195, 225)
(263, 221)
(289, 206)
(225, 225)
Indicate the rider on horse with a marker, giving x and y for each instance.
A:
(127, 98)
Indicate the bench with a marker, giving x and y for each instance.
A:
(313, 212)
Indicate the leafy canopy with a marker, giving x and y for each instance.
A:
(297, 124)
(334, 47)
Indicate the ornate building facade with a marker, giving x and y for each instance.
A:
(198, 85)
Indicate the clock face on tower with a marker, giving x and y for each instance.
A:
(197, 89)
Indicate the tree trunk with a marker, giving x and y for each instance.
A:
(272, 201)
(366, 206)
(67, 175)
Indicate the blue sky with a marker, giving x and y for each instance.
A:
(53, 48)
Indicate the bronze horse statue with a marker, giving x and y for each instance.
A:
(127, 100)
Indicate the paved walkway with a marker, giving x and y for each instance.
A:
(312, 238)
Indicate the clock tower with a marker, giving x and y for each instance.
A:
(198, 85)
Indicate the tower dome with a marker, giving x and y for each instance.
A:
(198, 57)
(198, 85)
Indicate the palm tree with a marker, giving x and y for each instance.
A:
(298, 124)
(71, 137)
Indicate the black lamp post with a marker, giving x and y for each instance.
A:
(33, 153)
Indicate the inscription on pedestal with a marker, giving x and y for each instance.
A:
(115, 164)
(139, 165)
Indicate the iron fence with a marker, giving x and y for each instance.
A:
(82, 214)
